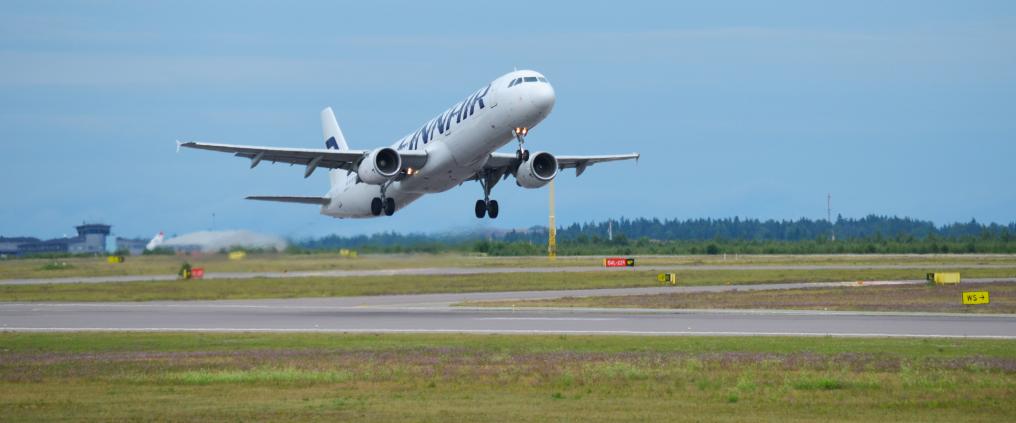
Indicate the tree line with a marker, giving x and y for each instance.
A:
(868, 235)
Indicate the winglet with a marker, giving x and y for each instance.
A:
(178, 145)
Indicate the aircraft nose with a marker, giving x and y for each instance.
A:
(542, 97)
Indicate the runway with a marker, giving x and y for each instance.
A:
(433, 313)
(438, 271)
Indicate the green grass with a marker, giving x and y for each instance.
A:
(168, 265)
(273, 375)
(910, 298)
(215, 289)
(368, 377)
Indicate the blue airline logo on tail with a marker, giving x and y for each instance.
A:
(331, 144)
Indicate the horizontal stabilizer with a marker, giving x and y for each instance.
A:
(288, 199)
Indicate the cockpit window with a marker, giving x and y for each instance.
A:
(518, 81)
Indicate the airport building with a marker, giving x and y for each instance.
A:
(91, 239)
(9, 246)
(134, 246)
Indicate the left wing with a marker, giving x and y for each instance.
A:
(290, 199)
(312, 158)
(501, 162)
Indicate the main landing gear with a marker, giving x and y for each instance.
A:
(489, 207)
(486, 205)
(383, 203)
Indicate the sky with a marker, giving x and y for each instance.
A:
(751, 109)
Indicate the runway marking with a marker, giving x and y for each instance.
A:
(547, 318)
(515, 332)
(630, 312)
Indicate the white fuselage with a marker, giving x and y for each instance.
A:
(458, 143)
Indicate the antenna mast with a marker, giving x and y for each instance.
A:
(829, 216)
(552, 233)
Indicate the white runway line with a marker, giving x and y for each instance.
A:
(581, 319)
(515, 332)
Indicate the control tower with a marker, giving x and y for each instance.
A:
(91, 238)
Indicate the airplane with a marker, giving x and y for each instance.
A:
(458, 145)
(156, 241)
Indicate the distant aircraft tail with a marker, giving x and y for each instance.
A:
(334, 140)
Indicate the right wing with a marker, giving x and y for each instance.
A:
(581, 162)
(312, 158)
(504, 162)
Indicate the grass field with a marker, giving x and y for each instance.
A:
(243, 377)
(908, 298)
(214, 289)
(167, 265)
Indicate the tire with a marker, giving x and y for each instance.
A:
(481, 209)
(389, 206)
(525, 156)
(375, 206)
(492, 209)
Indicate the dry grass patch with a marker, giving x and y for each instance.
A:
(910, 298)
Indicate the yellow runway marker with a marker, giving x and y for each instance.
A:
(975, 297)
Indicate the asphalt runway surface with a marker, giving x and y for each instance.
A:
(434, 313)
(486, 270)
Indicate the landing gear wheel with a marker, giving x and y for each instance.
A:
(375, 206)
(522, 155)
(492, 209)
(389, 206)
(481, 209)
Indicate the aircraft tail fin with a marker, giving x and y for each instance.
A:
(333, 135)
(334, 140)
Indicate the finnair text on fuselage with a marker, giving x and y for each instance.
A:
(460, 111)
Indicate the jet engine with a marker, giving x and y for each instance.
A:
(379, 166)
(536, 172)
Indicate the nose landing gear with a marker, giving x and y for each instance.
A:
(520, 135)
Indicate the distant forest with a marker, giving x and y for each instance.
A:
(871, 234)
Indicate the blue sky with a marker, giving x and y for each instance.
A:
(752, 109)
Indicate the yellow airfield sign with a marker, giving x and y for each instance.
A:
(975, 297)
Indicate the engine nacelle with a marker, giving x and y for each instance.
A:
(379, 166)
(536, 172)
